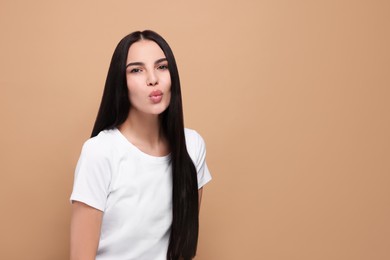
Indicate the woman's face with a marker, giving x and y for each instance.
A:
(148, 78)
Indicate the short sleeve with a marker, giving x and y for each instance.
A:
(92, 176)
(203, 172)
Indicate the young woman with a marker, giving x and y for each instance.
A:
(139, 180)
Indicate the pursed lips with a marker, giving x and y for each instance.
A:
(156, 96)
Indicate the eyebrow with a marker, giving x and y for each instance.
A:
(137, 63)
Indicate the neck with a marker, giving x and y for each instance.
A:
(144, 131)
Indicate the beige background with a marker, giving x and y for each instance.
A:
(292, 98)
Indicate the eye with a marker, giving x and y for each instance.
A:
(135, 70)
(163, 67)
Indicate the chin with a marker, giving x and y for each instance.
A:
(158, 111)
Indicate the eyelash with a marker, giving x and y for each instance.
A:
(135, 70)
(161, 67)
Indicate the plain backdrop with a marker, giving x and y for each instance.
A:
(291, 97)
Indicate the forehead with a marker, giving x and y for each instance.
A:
(144, 51)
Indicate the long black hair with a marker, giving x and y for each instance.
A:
(113, 111)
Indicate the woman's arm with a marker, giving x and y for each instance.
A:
(84, 231)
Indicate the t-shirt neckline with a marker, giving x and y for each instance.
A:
(140, 152)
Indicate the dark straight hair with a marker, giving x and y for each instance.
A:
(113, 111)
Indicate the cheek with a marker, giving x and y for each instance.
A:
(168, 96)
(169, 89)
(165, 80)
(130, 82)
(133, 86)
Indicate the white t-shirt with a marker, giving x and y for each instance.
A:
(134, 191)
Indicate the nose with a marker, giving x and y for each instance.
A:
(151, 79)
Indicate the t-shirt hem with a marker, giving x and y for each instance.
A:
(88, 201)
(204, 181)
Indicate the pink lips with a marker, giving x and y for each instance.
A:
(155, 96)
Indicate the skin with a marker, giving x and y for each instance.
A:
(142, 126)
(146, 71)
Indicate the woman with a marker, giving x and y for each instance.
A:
(138, 182)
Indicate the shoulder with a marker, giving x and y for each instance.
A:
(193, 138)
(99, 146)
(196, 146)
